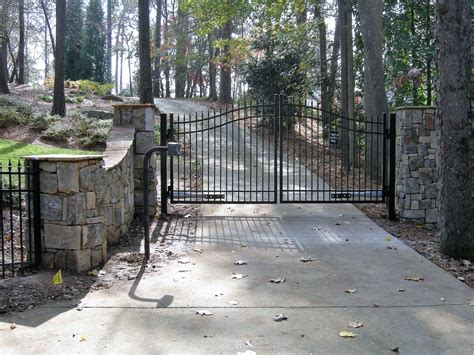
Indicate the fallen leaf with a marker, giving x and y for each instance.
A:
(239, 276)
(197, 250)
(83, 338)
(355, 324)
(8, 237)
(401, 290)
(346, 334)
(102, 272)
(337, 224)
(240, 262)
(184, 261)
(460, 278)
(306, 259)
(395, 350)
(280, 317)
(203, 312)
(94, 272)
(243, 245)
(247, 352)
(350, 290)
(187, 216)
(248, 343)
(414, 278)
(184, 270)
(278, 281)
(233, 303)
(12, 326)
(388, 239)
(442, 299)
(420, 226)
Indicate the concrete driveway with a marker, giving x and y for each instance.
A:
(156, 313)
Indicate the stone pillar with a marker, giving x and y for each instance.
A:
(416, 164)
(142, 118)
(72, 223)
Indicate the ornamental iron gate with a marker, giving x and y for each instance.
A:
(283, 151)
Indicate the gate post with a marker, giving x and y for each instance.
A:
(392, 159)
(163, 165)
(36, 211)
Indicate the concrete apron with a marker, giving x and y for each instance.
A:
(156, 312)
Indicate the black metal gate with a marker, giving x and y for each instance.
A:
(20, 217)
(285, 151)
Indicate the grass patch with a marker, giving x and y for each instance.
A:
(11, 150)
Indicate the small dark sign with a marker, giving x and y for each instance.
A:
(334, 137)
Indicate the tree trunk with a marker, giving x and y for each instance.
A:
(108, 74)
(21, 43)
(181, 60)
(334, 64)
(46, 52)
(3, 67)
(454, 117)
(428, 60)
(59, 103)
(48, 24)
(145, 84)
(323, 67)
(347, 85)
(212, 70)
(375, 98)
(225, 92)
(157, 56)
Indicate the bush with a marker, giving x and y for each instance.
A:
(9, 116)
(90, 132)
(60, 131)
(42, 123)
(89, 87)
(47, 97)
(11, 103)
(74, 99)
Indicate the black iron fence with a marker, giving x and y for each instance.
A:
(281, 151)
(20, 239)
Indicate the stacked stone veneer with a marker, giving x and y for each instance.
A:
(88, 202)
(416, 164)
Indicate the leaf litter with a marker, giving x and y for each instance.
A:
(414, 278)
(280, 317)
(239, 276)
(277, 281)
(355, 324)
(346, 334)
(240, 262)
(203, 312)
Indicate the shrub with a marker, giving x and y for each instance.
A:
(91, 87)
(9, 116)
(47, 97)
(60, 131)
(16, 105)
(42, 123)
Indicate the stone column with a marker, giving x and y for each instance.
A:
(142, 118)
(72, 222)
(416, 165)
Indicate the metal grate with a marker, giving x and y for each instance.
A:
(19, 208)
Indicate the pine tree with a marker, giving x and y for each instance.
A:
(94, 59)
(74, 42)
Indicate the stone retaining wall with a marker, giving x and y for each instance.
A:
(88, 202)
(416, 164)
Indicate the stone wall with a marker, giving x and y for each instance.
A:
(88, 202)
(416, 164)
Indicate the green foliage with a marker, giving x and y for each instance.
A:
(13, 112)
(73, 40)
(46, 97)
(90, 132)
(89, 87)
(42, 123)
(282, 70)
(93, 55)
